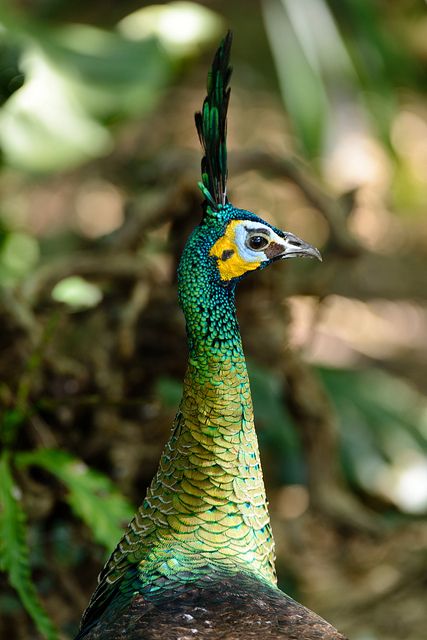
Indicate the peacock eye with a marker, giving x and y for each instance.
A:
(257, 242)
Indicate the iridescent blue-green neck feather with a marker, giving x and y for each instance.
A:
(208, 305)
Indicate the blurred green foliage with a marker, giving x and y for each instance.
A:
(66, 90)
(330, 55)
(91, 495)
(381, 422)
(14, 552)
(79, 80)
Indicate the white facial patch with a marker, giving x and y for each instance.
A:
(241, 235)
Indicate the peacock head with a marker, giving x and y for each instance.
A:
(247, 243)
(239, 241)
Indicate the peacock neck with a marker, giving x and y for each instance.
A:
(206, 510)
(210, 313)
(219, 503)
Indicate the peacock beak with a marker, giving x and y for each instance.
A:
(294, 247)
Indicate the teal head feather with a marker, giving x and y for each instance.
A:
(238, 240)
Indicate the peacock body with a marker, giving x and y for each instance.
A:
(197, 560)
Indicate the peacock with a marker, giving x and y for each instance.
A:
(197, 560)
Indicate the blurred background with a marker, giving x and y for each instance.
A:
(99, 165)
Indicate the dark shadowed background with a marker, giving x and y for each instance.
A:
(99, 165)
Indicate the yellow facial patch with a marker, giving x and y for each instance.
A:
(230, 262)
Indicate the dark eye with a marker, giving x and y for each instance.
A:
(257, 242)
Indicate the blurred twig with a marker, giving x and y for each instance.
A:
(332, 209)
(104, 264)
(20, 314)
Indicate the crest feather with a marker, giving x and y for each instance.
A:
(211, 124)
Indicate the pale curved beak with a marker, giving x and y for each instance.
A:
(297, 248)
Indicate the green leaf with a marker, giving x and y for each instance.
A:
(300, 82)
(77, 293)
(384, 443)
(19, 254)
(11, 422)
(42, 128)
(381, 56)
(91, 495)
(76, 79)
(14, 554)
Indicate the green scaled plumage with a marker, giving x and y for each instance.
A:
(211, 124)
(197, 560)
